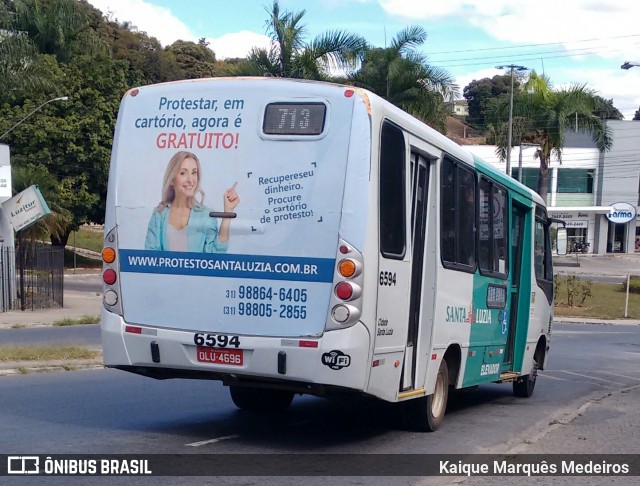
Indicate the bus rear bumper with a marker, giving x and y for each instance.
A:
(336, 359)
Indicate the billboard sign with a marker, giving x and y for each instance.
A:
(26, 208)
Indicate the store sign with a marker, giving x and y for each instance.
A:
(26, 208)
(577, 224)
(5, 181)
(570, 216)
(621, 212)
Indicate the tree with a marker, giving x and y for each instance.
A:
(72, 139)
(403, 76)
(606, 111)
(195, 60)
(57, 27)
(144, 54)
(542, 115)
(291, 57)
(19, 69)
(480, 94)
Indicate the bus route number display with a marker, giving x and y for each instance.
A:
(294, 118)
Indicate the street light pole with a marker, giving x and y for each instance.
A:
(61, 98)
(513, 68)
(629, 65)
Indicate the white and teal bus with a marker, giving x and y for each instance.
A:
(290, 237)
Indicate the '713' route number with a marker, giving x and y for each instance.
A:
(215, 340)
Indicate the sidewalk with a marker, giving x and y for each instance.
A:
(76, 304)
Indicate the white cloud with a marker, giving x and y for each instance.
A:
(162, 24)
(156, 21)
(238, 44)
(541, 22)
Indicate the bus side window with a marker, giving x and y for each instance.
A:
(448, 208)
(392, 195)
(493, 250)
(467, 218)
(458, 216)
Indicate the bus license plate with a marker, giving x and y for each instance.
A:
(231, 357)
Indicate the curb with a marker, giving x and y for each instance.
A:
(20, 368)
(617, 322)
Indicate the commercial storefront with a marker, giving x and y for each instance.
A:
(596, 193)
(583, 226)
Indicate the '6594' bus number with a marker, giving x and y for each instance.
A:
(387, 278)
(215, 340)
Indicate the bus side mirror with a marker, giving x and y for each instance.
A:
(561, 241)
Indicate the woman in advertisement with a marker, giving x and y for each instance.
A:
(182, 223)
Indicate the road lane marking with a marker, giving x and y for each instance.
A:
(591, 377)
(552, 377)
(634, 378)
(211, 441)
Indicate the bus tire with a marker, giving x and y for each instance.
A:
(426, 414)
(524, 385)
(260, 399)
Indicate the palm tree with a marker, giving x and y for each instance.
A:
(57, 27)
(291, 57)
(18, 55)
(542, 115)
(404, 77)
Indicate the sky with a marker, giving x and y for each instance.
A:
(580, 42)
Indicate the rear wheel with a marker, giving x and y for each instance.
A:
(427, 413)
(260, 399)
(524, 385)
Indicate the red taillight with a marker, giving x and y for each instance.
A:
(109, 276)
(344, 291)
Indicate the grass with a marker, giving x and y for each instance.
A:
(606, 302)
(46, 353)
(87, 237)
(80, 261)
(78, 321)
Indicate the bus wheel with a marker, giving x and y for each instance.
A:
(427, 413)
(260, 399)
(524, 385)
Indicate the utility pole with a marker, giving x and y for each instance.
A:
(522, 147)
(513, 68)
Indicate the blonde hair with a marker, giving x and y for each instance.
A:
(173, 167)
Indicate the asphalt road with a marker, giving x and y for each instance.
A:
(109, 411)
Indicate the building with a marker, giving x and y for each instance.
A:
(460, 108)
(596, 194)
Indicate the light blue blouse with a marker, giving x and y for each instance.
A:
(202, 232)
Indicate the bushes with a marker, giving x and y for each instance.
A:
(577, 290)
(634, 285)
